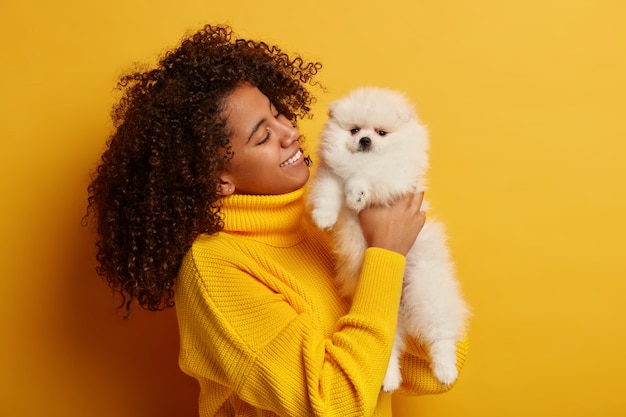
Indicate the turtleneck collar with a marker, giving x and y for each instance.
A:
(272, 219)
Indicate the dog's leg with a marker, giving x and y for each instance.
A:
(443, 355)
(435, 309)
(326, 199)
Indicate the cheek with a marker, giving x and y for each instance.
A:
(252, 166)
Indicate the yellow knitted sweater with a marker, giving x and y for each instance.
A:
(264, 331)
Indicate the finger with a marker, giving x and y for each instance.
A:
(419, 199)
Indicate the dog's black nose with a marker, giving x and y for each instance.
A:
(365, 143)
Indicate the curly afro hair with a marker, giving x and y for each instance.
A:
(155, 189)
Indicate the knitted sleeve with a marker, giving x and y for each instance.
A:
(244, 337)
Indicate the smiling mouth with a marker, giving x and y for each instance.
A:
(295, 158)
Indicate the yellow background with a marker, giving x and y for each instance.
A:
(525, 101)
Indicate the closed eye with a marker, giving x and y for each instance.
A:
(266, 137)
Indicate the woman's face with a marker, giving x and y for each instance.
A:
(267, 157)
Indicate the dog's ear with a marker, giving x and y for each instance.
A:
(331, 109)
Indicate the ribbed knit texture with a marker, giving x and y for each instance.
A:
(264, 331)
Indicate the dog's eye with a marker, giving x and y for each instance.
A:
(355, 130)
(382, 132)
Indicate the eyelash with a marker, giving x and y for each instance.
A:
(269, 132)
(266, 138)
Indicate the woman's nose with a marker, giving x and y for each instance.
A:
(289, 133)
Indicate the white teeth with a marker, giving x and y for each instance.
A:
(293, 159)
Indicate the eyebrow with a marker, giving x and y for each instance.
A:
(260, 123)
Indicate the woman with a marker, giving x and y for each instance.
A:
(199, 199)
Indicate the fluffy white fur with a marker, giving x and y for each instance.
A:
(372, 150)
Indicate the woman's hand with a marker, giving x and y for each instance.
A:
(394, 227)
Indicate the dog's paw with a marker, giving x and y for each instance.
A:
(393, 379)
(324, 219)
(445, 372)
(356, 199)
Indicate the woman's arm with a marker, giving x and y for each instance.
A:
(244, 335)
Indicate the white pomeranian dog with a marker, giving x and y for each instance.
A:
(373, 149)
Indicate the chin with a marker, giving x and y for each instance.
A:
(294, 179)
(373, 149)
